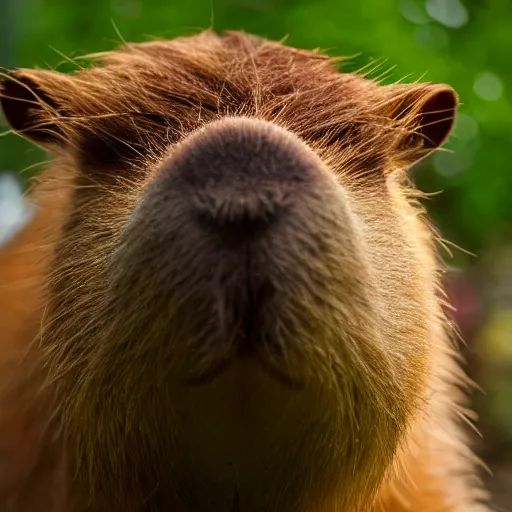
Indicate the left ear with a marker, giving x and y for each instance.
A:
(33, 103)
(424, 115)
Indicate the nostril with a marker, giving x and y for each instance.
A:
(238, 218)
(235, 206)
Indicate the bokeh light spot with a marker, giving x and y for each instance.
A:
(450, 13)
(14, 213)
(432, 37)
(451, 164)
(414, 12)
(488, 86)
(466, 127)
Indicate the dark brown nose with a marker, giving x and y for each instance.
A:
(240, 173)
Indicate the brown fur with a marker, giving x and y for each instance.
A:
(93, 415)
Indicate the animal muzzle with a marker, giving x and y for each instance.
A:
(237, 239)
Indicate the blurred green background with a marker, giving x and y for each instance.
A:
(465, 43)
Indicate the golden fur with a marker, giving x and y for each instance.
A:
(89, 414)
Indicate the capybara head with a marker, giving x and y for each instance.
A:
(243, 309)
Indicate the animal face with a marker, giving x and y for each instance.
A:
(242, 309)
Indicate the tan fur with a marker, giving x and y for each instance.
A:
(30, 465)
(383, 387)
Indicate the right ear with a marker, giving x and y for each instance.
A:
(424, 114)
(32, 103)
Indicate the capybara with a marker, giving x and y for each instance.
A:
(229, 298)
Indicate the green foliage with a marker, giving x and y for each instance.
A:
(467, 46)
